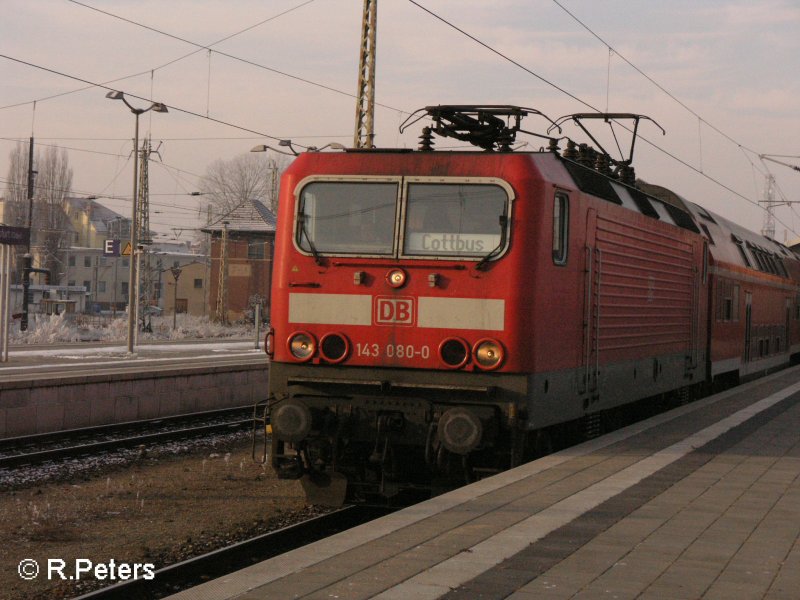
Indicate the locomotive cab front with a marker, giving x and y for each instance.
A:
(392, 327)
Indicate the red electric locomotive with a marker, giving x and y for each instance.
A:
(438, 314)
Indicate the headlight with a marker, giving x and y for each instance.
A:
(454, 352)
(302, 345)
(269, 343)
(488, 354)
(334, 347)
(396, 278)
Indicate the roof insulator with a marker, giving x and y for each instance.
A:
(571, 152)
(426, 140)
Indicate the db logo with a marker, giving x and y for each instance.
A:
(394, 310)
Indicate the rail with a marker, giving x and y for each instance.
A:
(186, 574)
(121, 437)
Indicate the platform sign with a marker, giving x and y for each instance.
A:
(14, 236)
(111, 248)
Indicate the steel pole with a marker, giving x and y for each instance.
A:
(132, 273)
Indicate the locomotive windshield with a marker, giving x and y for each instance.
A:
(347, 218)
(441, 219)
(454, 220)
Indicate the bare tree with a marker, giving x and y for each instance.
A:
(16, 203)
(52, 185)
(228, 183)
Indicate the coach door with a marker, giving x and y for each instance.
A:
(587, 378)
(748, 322)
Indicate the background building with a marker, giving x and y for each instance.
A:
(242, 243)
(98, 283)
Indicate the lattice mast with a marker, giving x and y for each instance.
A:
(768, 228)
(143, 201)
(770, 188)
(365, 94)
(222, 289)
(145, 272)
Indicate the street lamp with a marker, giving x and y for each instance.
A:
(176, 272)
(272, 166)
(133, 274)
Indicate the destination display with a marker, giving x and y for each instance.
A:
(451, 243)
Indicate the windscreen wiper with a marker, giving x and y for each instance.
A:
(481, 265)
(304, 231)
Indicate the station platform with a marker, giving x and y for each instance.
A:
(699, 502)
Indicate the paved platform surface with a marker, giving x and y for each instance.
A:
(700, 502)
(66, 360)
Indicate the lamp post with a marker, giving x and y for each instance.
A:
(133, 273)
(272, 166)
(176, 272)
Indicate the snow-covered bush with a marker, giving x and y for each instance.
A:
(49, 329)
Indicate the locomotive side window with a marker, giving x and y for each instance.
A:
(461, 220)
(340, 217)
(560, 228)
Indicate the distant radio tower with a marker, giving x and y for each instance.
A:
(365, 95)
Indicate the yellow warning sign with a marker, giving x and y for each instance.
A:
(126, 251)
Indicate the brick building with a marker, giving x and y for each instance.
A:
(242, 244)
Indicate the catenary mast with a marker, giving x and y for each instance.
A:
(365, 96)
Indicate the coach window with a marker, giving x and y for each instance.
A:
(347, 217)
(560, 228)
(740, 245)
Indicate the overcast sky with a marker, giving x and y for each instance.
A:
(721, 76)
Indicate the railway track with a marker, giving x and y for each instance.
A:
(37, 449)
(186, 574)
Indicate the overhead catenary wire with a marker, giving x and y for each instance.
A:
(650, 79)
(203, 47)
(610, 48)
(645, 140)
(171, 62)
(170, 106)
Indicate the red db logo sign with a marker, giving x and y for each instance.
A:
(394, 310)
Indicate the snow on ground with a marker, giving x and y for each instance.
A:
(51, 329)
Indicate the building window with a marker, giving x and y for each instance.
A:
(101, 287)
(126, 262)
(123, 288)
(87, 261)
(176, 264)
(71, 260)
(255, 250)
(87, 285)
(198, 284)
(71, 283)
